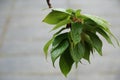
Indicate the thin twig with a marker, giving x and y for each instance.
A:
(49, 4)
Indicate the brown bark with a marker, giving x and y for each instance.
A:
(49, 4)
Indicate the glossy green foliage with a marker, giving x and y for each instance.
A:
(66, 62)
(77, 52)
(55, 53)
(46, 47)
(62, 23)
(55, 17)
(80, 38)
(88, 48)
(58, 39)
(96, 42)
(76, 30)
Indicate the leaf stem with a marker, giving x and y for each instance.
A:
(49, 4)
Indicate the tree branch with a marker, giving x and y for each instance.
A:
(49, 4)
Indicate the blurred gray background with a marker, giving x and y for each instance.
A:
(23, 35)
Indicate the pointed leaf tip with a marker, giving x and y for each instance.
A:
(65, 63)
(46, 47)
(96, 42)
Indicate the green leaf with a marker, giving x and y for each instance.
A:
(62, 23)
(87, 38)
(96, 42)
(60, 10)
(88, 41)
(65, 62)
(76, 30)
(89, 28)
(55, 17)
(77, 52)
(104, 34)
(46, 47)
(87, 51)
(58, 39)
(110, 33)
(58, 32)
(77, 13)
(70, 11)
(101, 22)
(59, 50)
(90, 22)
(89, 25)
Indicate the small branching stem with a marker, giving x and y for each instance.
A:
(68, 25)
(49, 4)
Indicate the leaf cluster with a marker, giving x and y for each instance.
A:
(79, 41)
